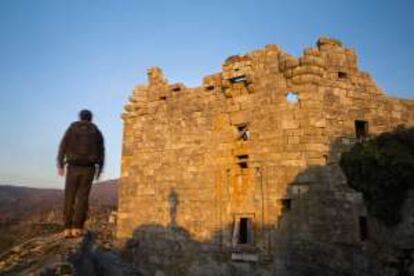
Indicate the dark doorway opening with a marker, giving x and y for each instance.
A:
(243, 235)
(361, 129)
(363, 228)
(245, 231)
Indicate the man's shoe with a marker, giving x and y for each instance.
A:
(67, 233)
(76, 232)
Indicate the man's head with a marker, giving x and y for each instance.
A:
(85, 115)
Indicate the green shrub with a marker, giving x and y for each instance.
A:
(382, 169)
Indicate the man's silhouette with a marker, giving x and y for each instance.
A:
(82, 153)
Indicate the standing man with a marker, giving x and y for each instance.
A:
(82, 154)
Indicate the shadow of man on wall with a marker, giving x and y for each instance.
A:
(173, 201)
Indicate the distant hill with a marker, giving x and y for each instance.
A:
(30, 212)
(105, 193)
(17, 203)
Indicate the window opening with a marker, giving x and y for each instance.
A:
(361, 129)
(209, 87)
(163, 98)
(243, 234)
(342, 75)
(243, 231)
(242, 160)
(238, 79)
(363, 228)
(292, 97)
(286, 204)
(176, 89)
(244, 133)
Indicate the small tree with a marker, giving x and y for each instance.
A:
(382, 169)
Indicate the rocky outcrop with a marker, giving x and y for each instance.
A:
(26, 213)
(55, 255)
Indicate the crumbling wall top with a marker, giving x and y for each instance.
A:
(328, 64)
(156, 76)
(328, 43)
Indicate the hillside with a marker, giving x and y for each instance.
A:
(29, 212)
(16, 203)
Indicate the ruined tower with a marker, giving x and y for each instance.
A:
(246, 164)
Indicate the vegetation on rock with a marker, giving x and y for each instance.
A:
(382, 169)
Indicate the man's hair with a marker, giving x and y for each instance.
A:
(85, 115)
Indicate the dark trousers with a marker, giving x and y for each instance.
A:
(77, 187)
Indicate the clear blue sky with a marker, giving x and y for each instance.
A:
(57, 57)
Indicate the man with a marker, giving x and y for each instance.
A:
(82, 153)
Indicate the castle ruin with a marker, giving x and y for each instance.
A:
(246, 165)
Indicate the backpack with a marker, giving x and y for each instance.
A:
(83, 144)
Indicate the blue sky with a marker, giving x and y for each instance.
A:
(57, 57)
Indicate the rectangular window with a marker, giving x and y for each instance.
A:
(363, 228)
(243, 160)
(286, 204)
(243, 231)
(361, 129)
(342, 75)
(243, 234)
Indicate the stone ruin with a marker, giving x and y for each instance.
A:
(241, 176)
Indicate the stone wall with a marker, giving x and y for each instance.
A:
(255, 148)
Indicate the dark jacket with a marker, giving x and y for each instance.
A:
(69, 142)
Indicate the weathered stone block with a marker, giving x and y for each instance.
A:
(290, 124)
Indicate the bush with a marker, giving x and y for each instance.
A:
(382, 169)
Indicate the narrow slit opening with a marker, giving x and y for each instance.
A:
(342, 75)
(239, 79)
(209, 87)
(242, 161)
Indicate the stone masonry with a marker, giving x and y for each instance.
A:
(246, 164)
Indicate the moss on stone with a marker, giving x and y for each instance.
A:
(382, 169)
